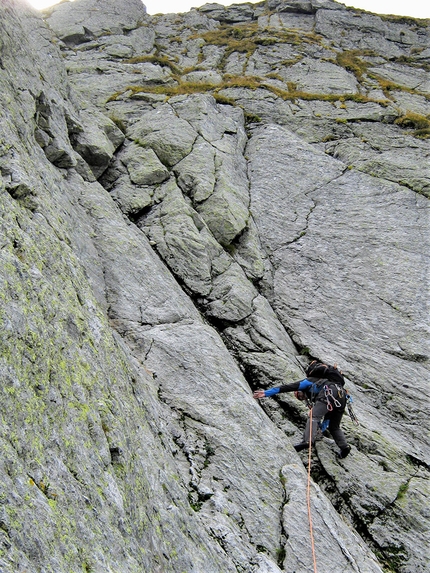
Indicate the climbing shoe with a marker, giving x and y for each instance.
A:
(344, 452)
(302, 446)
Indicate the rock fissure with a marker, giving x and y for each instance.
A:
(346, 510)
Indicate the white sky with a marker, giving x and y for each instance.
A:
(416, 8)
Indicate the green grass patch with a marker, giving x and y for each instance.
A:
(120, 123)
(294, 94)
(223, 100)
(241, 38)
(412, 61)
(413, 120)
(402, 491)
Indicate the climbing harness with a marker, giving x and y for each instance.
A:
(308, 500)
(328, 394)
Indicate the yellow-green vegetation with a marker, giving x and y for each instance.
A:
(411, 61)
(182, 88)
(402, 491)
(295, 94)
(222, 99)
(408, 20)
(251, 117)
(247, 82)
(241, 38)
(388, 86)
(246, 38)
(352, 62)
(420, 124)
(288, 63)
(274, 76)
(118, 122)
(163, 61)
(250, 82)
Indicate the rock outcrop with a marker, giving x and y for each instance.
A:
(194, 206)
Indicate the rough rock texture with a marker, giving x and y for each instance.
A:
(194, 206)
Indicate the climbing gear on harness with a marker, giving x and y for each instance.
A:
(328, 393)
(351, 412)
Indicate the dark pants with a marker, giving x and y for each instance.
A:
(321, 411)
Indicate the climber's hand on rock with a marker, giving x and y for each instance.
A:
(258, 394)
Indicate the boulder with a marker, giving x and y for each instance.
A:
(169, 136)
(77, 23)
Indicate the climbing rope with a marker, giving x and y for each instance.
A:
(308, 496)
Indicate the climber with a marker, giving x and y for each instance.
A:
(323, 391)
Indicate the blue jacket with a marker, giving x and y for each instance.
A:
(305, 386)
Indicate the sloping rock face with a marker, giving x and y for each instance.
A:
(194, 206)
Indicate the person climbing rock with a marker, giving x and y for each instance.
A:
(323, 390)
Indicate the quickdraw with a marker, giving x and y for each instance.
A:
(329, 397)
(351, 412)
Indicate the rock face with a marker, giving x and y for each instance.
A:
(194, 206)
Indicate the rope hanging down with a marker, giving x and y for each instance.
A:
(308, 499)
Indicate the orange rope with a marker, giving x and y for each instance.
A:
(308, 494)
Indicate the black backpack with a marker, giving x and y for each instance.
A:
(320, 370)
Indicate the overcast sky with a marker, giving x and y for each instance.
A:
(416, 8)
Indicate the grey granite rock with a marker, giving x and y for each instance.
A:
(320, 77)
(196, 172)
(165, 252)
(74, 23)
(169, 136)
(143, 166)
(387, 154)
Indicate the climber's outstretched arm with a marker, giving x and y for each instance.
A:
(300, 385)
